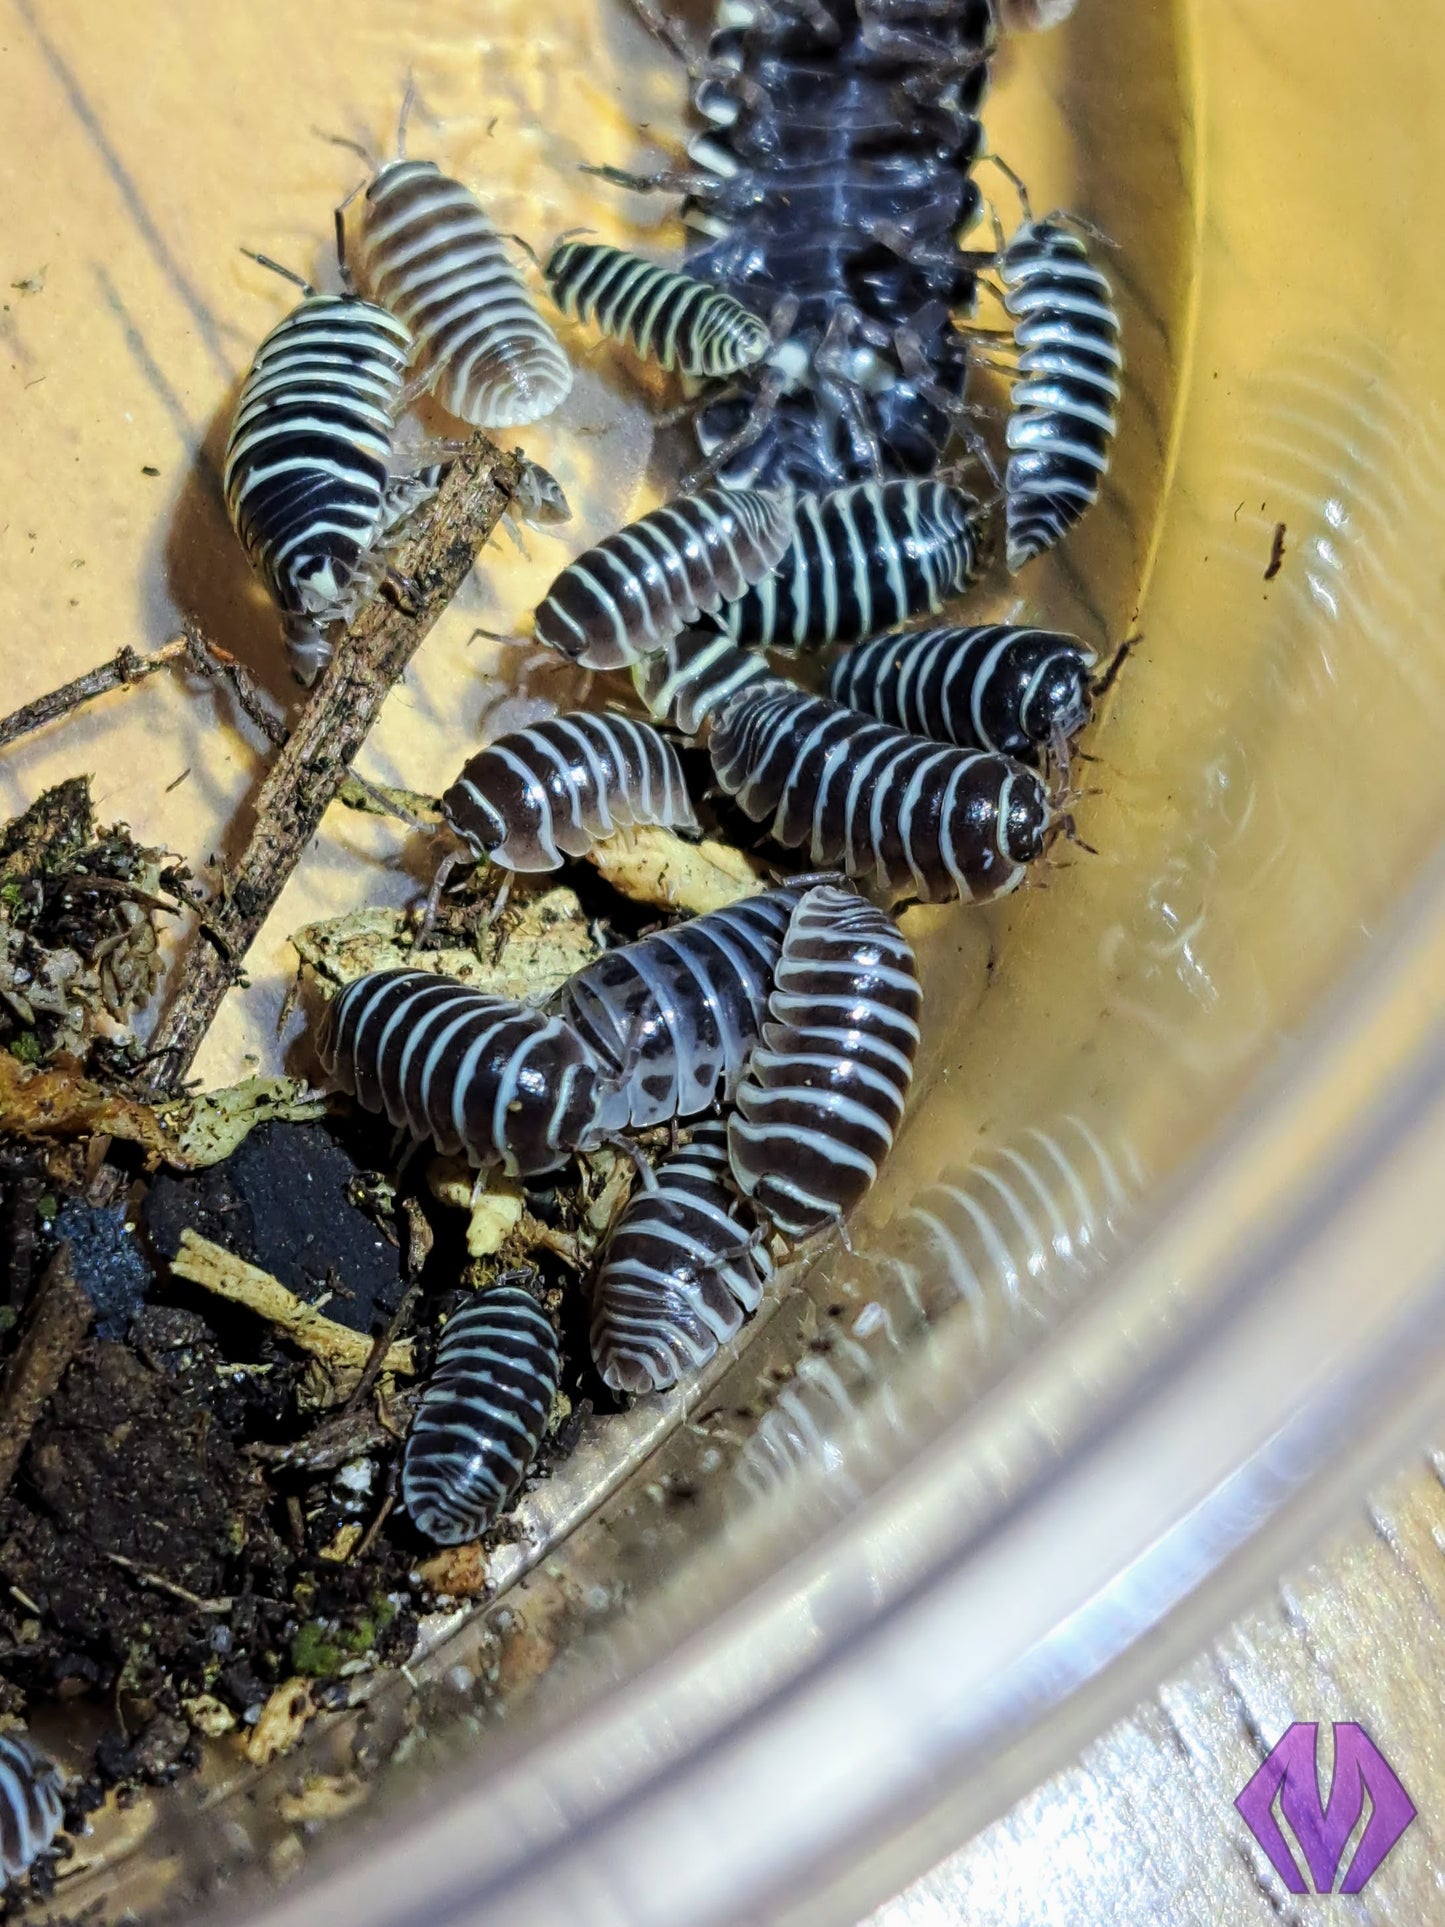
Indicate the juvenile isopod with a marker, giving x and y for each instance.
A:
(682, 1268)
(482, 1416)
(670, 318)
(823, 1096)
(430, 254)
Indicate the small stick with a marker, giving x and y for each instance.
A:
(366, 665)
(59, 1320)
(369, 1540)
(157, 1584)
(418, 1246)
(125, 669)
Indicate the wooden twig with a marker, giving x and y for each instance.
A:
(310, 769)
(124, 669)
(143, 1577)
(59, 1319)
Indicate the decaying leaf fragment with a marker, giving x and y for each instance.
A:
(653, 865)
(209, 1127)
(541, 941)
(61, 1103)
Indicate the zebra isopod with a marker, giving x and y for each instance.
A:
(308, 473)
(673, 1016)
(823, 1096)
(688, 681)
(926, 819)
(861, 559)
(1063, 411)
(552, 790)
(31, 1805)
(1018, 691)
(504, 1083)
(670, 318)
(430, 254)
(682, 1268)
(629, 596)
(482, 1416)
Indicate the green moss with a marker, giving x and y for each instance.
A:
(26, 1047)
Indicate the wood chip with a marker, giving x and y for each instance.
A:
(343, 1545)
(209, 1128)
(58, 1103)
(322, 1796)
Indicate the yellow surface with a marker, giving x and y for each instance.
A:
(1269, 773)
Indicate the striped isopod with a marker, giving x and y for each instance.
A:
(431, 255)
(552, 790)
(629, 596)
(483, 1075)
(670, 318)
(1063, 411)
(861, 559)
(824, 1092)
(682, 1268)
(31, 1805)
(307, 479)
(926, 819)
(685, 683)
(1018, 691)
(674, 1015)
(482, 1416)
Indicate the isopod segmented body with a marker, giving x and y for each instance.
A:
(31, 1805)
(687, 682)
(482, 1416)
(824, 1092)
(682, 1268)
(629, 596)
(430, 254)
(1017, 691)
(552, 790)
(926, 819)
(308, 475)
(667, 317)
(861, 559)
(674, 1015)
(501, 1082)
(1063, 411)
(837, 172)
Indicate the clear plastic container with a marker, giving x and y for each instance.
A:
(1154, 1278)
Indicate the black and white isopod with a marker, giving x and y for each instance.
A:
(670, 318)
(688, 682)
(541, 794)
(674, 1015)
(926, 819)
(1022, 692)
(1064, 406)
(483, 1075)
(31, 1805)
(861, 559)
(683, 1266)
(430, 253)
(308, 476)
(482, 1416)
(824, 1092)
(629, 596)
